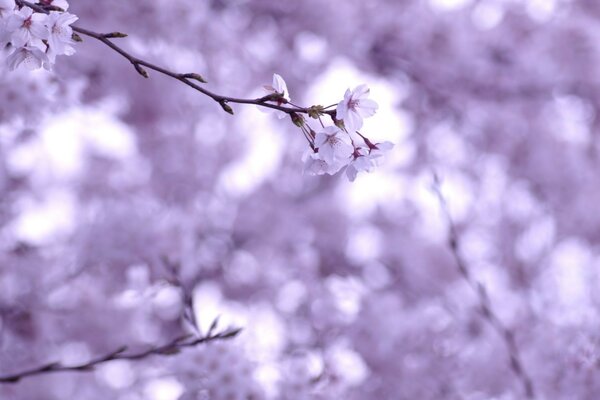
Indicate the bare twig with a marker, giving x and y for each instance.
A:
(188, 315)
(173, 347)
(516, 364)
(188, 79)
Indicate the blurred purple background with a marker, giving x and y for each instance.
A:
(110, 183)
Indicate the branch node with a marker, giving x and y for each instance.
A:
(316, 111)
(76, 37)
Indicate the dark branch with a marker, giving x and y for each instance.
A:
(185, 78)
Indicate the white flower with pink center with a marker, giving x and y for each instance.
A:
(60, 38)
(360, 162)
(334, 145)
(30, 57)
(356, 106)
(27, 28)
(315, 165)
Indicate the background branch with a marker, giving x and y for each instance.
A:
(516, 364)
(171, 348)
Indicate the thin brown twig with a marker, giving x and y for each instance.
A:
(173, 347)
(516, 363)
(185, 78)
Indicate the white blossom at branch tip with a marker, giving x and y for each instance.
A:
(60, 39)
(334, 145)
(278, 87)
(356, 106)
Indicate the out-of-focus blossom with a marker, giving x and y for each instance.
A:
(356, 106)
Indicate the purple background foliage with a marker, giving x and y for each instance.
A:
(344, 291)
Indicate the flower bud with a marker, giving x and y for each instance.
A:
(297, 119)
(114, 35)
(194, 76)
(226, 107)
(141, 70)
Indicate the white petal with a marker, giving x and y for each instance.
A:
(39, 30)
(341, 110)
(20, 37)
(360, 91)
(320, 139)
(385, 146)
(367, 107)
(66, 18)
(353, 121)
(326, 153)
(342, 150)
(280, 86)
(351, 173)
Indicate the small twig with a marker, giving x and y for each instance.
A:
(185, 78)
(486, 309)
(188, 315)
(171, 348)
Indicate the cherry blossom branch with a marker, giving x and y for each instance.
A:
(516, 363)
(188, 79)
(173, 347)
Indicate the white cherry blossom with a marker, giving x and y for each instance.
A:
(365, 159)
(315, 165)
(27, 28)
(60, 39)
(378, 150)
(333, 144)
(359, 162)
(356, 106)
(30, 57)
(278, 87)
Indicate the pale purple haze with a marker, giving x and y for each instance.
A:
(465, 266)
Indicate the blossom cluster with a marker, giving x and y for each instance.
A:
(340, 146)
(34, 39)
